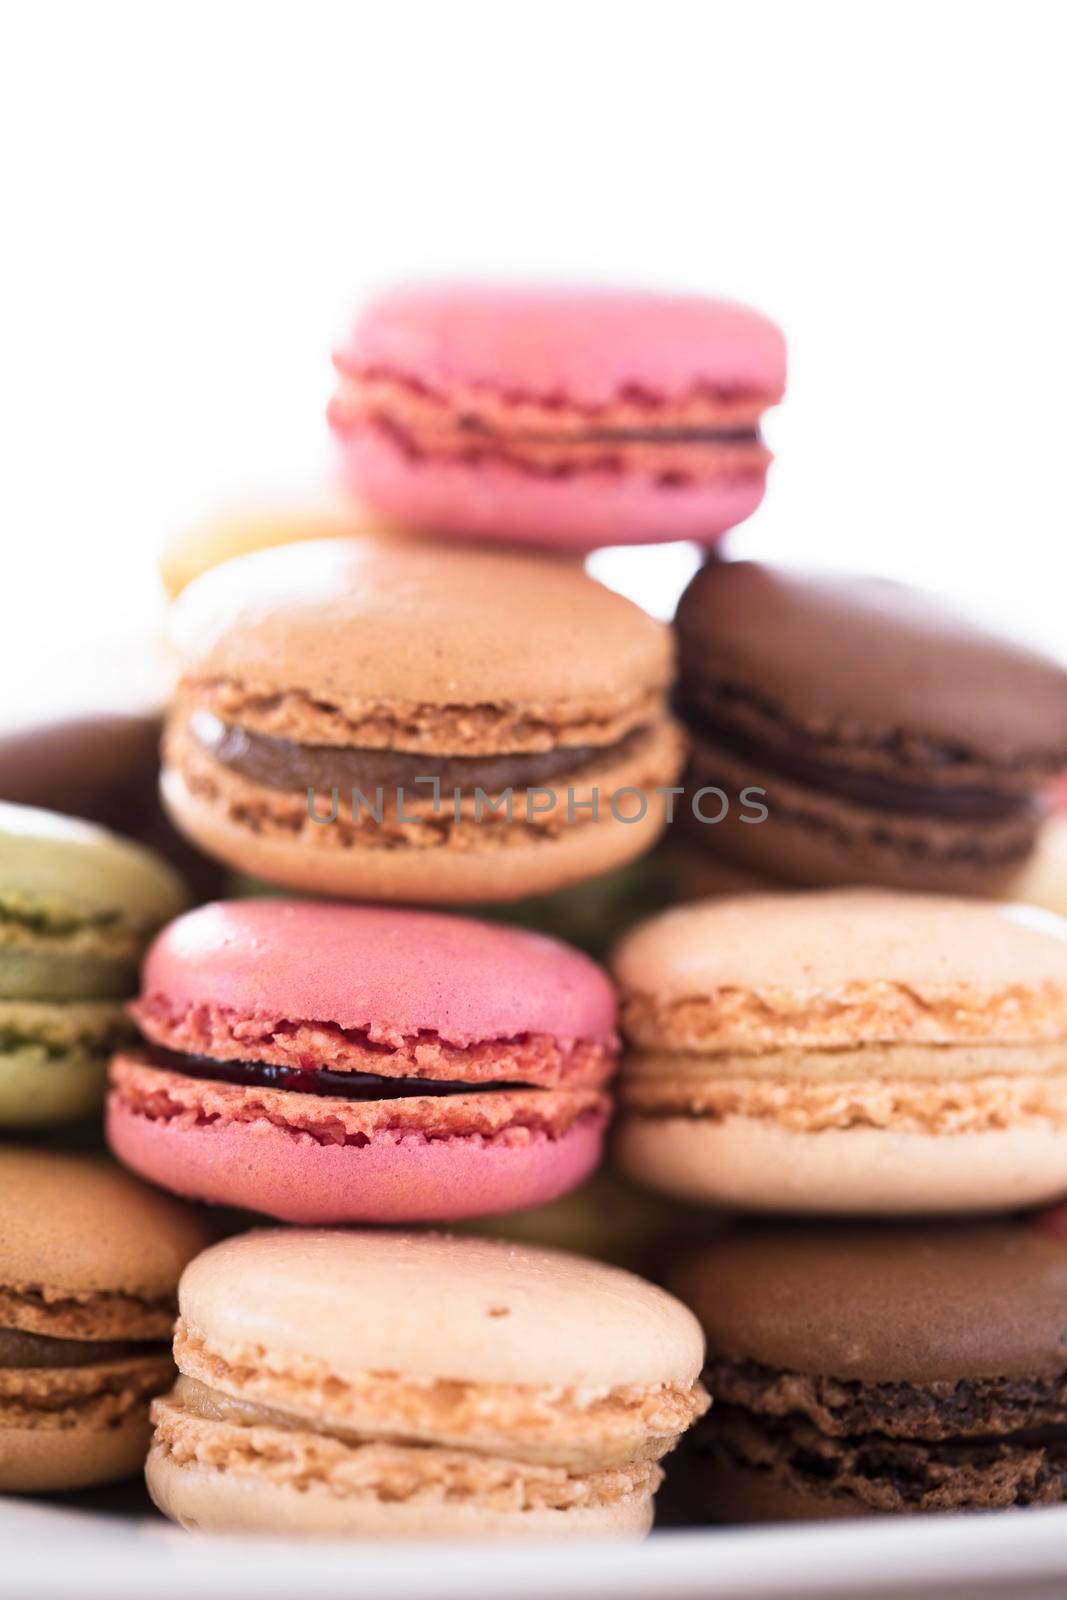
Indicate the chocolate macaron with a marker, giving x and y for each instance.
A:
(396, 721)
(896, 743)
(89, 1266)
(859, 1051)
(880, 1369)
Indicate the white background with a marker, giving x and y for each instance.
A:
(197, 196)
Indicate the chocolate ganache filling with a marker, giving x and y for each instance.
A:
(958, 804)
(314, 1080)
(24, 1351)
(286, 764)
(614, 435)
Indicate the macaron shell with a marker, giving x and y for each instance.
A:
(50, 1460)
(581, 512)
(570, 343)
(816, 943)
(81, 1225)
(891, 662)
(920, 1304)
(363, 619)
(697, 873)
(39, 1090)
(749, 1164)
(84, 869)
(294, 1178)
(30, 972)
(388, 972)
(431, 1306)
(98, 767)
(205, 1499)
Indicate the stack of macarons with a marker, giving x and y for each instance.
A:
(370, 711)
(423, 742)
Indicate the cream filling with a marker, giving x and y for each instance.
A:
(582, 1430)
(197, 1426)
(933, 1063)
(917, 1104)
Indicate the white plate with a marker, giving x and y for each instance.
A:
(50, 1554)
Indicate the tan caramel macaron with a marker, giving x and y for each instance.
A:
(395, 721)
(850, 1051)
(399, 1385)
(89, 1266)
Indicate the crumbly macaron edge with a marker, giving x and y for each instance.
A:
(754, 1020)
(62, 1313)
(487, 729)
(393, 1474)
(510, 1116)
(102, 1395)
(225, 1033)
(575, 1426)
(919, 1106)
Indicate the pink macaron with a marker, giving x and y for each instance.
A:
(570, 417)
(333, 1063)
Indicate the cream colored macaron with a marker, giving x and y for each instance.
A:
(401, 1385)
(856, 1051)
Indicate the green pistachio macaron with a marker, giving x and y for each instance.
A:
(77, 905)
